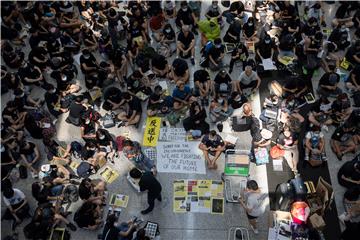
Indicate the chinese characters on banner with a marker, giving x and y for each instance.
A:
(152, 131)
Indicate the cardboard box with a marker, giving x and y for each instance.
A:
(323, 197)
(317, 221)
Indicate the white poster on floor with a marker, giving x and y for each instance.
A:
(168, 134)
(180, 157)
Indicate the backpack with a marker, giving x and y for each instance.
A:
(71, 193)
(84, 169)
(108, 121)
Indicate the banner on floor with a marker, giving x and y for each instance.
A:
(203, 196)
(168, 134)
(179, 157)
(152, 131)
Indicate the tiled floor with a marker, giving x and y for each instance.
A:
(179, 226)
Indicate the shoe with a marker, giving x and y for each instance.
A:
(192, 61)
(255, 230)
(72, 227)
(144, 212)
(306, 158)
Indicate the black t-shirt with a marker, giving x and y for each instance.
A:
(86, 218)
(28, 72)
(186, 40)
(356, 72)
(248, 30)
(110, 232)
(185, 16)
(159, 62)
(51, 99)
(348, 170)
(339, 105)
(329, 79)
(234, 29)
(106, 141)
(265, 48)
(342, 136)
(169, 35)
(341, 11)
(180, 66)
(61, 85)
(287, 141)
(29, 150)
(88, 62)
(135, 105)
(219, 79)
(350, 54)
(217, 141)
(235, 104)
(241, 49)
(216, 52)
(201, 76)
(76, 109)
(150, 183)
(84, 192)
(310, 30)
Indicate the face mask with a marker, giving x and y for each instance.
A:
(2, 148)
(250, 24)
(64, 78)
(184, 9)
(21, 95)
(237, 99)
(218, 46)
(102, 137)
(215, 6)
(53, 91)
(267, 41)
(86, 56)
(220, 100)
(168, 30)
(343, 30)
(87, 121)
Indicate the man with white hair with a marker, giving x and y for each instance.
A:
(247, 79)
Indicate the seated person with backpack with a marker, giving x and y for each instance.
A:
(132, 151)
(222, 83)
(315, 146)
(92, 190)
(114, 230)
(182, 96)
(89, 216)
(186, 44)
(349, 173)
(133, 109)
(212, 144)
(342, 140)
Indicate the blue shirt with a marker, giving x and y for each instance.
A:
(177, 93)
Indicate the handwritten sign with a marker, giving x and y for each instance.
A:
(181, 157)
(172, 134)
(152, 130)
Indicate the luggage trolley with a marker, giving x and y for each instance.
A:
(237, 233)
(236, 173)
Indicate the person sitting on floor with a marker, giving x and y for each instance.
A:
(197, 119)
(342, 140)
(288, 141)
(320, 114)
(353, 81)
(181, 95)
(349, 173)
(341, 109)
(180, 71)
(113, 230)
(132, 151)
(186, 44)
(17, 207)
(156, 104)
(88, 216)
(328, 83)
(219, 109)
(93, 191)
(212, 144)
(202, 86)
(239, 53)
(105, 144)
(30, 155)
(247, 79)
(132, 114)
(315, 146)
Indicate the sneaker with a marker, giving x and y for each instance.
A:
(144, 212)
(306, 157)
(192, 61)
(255, 230)
(325, 128)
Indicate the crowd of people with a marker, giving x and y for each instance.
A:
(123, 51)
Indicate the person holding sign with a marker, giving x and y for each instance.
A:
(150, 183)
(212, 144)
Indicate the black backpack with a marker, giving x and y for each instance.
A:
(84, 170)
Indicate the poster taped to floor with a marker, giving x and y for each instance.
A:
(182, 157)
(168, 134)
(152, 130)
(109, 174)
(202, 196)
(119, 200)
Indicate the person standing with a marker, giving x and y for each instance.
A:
(151, 184)
(252, 203)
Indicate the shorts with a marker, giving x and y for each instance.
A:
(250, 217)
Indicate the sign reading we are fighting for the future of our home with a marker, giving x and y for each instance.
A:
(179, 157)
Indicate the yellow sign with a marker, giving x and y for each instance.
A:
(109, 174)
(204, 196)
(152, 131)
(119, 200)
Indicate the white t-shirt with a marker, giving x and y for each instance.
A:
(17, 198)
(246, 80)
(254, 203)
(311, 134)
